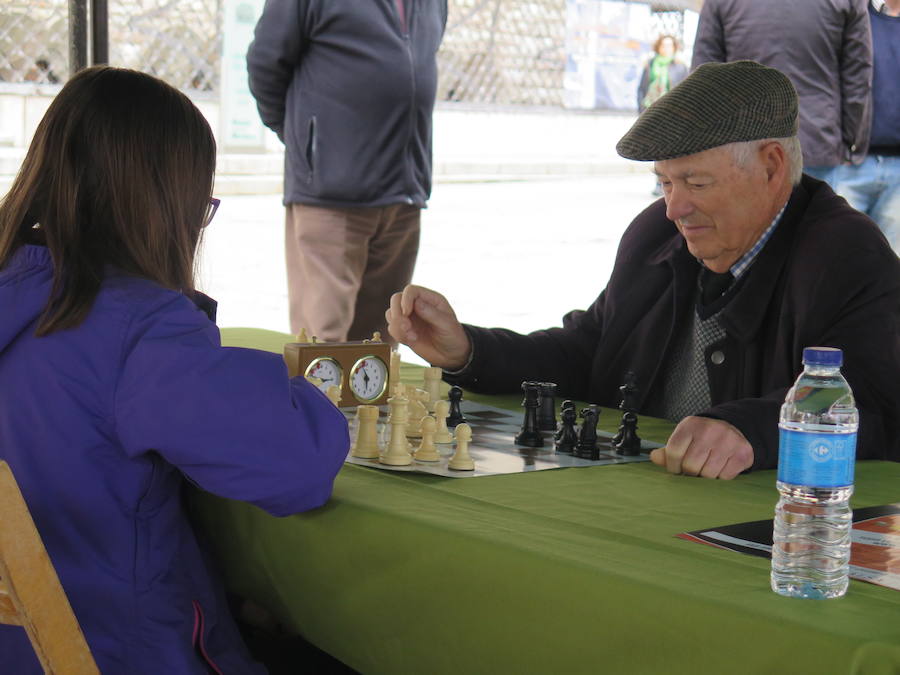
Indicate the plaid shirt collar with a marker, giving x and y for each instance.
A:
(742, 265)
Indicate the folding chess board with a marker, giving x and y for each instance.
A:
(493, 448)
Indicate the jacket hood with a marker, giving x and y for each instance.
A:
(25, 284)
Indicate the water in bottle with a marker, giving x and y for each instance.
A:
(817, 450)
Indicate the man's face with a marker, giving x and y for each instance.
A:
(719, 208)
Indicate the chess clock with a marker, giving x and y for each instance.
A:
(360, 368)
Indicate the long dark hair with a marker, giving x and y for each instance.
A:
(119, 173)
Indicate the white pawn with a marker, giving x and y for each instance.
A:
(441, 412)
(397, 452)
(427, 451)
(334, 395)
(417, 411)
(462, 460)
(366, 444)
(433, 385)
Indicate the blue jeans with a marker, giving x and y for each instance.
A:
(825, 173)
(873, 187)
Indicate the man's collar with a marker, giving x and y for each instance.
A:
(747, 259)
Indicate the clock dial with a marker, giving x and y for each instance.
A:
(368, 378)
(326, 369)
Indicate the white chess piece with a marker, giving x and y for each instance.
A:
(394, 368)
(433, 385)
(441, 413)
(417, 411)
(462, 460)
(397, 451)
(334, 395)
(302, 337)
(366, 444)
(427, 451)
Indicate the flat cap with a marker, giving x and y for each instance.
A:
(718, 103)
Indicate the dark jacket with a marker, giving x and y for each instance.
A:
(825, 277)
(350, 93)
(677, 72)
(103, 424)
(823, 46)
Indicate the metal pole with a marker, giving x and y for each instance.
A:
(99, 31)
(77, 36)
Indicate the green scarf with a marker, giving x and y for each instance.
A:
(659, 78)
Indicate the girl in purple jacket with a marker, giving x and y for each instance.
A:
(115, 390)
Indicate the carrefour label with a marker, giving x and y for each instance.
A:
(816, 459)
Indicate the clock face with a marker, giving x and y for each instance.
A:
(326, 369)
(368, 378)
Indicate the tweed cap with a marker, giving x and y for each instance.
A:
(718, 103)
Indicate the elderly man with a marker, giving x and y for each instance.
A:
(716, 289)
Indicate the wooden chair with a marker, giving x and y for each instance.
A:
(30, 593)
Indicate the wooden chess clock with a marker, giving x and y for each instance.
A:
(361, 369)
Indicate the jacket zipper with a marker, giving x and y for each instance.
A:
(197, 638)
(406, 32)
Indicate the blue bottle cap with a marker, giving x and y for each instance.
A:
(823, 356)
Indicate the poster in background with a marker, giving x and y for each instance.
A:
(241, 128)
(607, 45)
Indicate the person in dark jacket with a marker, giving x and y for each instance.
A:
(661, 73)
(115, 392)
(823, 46)
(349, 87)
(715, 292)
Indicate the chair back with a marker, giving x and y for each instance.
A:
(30, 593)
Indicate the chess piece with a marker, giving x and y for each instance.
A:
(397, 452)
(302, 337)
(427, 451)
(567, 436)
(313, 380)
(432, 377)
(442, 434)
(630, 443)
(376, 336)
(462, 460)
(455, 417)
(417, 411)
(366, 444)
(586, 447)
(334, 395)
(547, 411)
(529, 435)
(394, 368)
(627, 403)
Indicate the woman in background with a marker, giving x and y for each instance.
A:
(115, 390)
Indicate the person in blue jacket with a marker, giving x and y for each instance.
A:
(115, 390)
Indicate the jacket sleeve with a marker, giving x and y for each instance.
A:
(230, 419)
(856, 82)
(709, 44)
(274, 56)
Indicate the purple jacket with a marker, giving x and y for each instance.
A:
(103, 423)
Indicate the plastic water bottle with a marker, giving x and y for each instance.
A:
(817, 451)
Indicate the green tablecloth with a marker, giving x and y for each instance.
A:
(565, 571)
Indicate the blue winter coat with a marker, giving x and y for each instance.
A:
(103, 423)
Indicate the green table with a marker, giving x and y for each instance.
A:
(567, 571)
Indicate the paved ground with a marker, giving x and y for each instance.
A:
(517, 254)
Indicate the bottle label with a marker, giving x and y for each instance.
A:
(816, 459)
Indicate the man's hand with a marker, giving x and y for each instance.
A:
(424, 320)
(701, 446)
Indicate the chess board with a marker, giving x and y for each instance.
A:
(493, 448)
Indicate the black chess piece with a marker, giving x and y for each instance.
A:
(455, 417)
(628, 403)
(586, 447)
(630, 445)
(567, 436)
(547, 409)
(530, 436)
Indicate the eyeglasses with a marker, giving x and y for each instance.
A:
(211, 210)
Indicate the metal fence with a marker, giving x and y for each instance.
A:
(494, 51)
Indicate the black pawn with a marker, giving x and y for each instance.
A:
(586, 447)
(567, 436)
(547, 410)
(455, 417)
(529, 436)
(630, 445)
